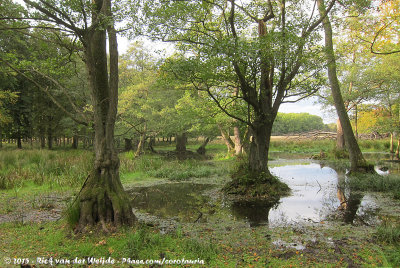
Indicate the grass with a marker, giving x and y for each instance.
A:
(375, 183)
(156, 166)
(28, 176)
(54, 168)
(55, 239)
(315, 146)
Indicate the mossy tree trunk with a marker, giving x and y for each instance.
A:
(357, 161)
(103, 198)
(259, 147)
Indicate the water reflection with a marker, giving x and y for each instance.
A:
(387, 163)
(349, 202)
(255, 212)
(319, 193)
(181, 200)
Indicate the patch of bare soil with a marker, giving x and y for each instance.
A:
(38, 208)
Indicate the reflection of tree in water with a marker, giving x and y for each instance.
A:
(349, 200)
(182, 200)
(256, 212)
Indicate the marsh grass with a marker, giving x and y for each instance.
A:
(388, 233)
(177, 170)
(375, 183)
(55, 168)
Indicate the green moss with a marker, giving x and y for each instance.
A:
(249, 184)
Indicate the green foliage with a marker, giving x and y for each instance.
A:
(297, 123)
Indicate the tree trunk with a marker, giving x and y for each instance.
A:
(102, 197)
(202, 149)
(397, 154)
(357, 161)
(391, 142)
(237, 140)
(140, 147)
(181, 143)
(19, 142)
(227, 140)
(340, 143)
(49, 140)
(259, 147)
(152, 142)
(42, 141)
(356, 121)
(127, 144)
(75, 141)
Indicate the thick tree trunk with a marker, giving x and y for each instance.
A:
(259, 147)
(357, 161)
(102, 197)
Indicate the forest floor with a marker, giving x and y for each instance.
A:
(34, 229)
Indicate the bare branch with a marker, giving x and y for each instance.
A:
(54, 17)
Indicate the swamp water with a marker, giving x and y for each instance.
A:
(318, 194)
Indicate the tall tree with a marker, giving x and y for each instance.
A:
(357, 160)
(266, 49)
(102, 198)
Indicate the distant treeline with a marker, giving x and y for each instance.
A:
(286, 123)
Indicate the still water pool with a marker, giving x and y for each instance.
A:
(318, 194)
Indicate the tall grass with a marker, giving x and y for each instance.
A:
(58, 168)
(375, 183)
(161, 167)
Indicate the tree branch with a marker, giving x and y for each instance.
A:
(45, 90)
